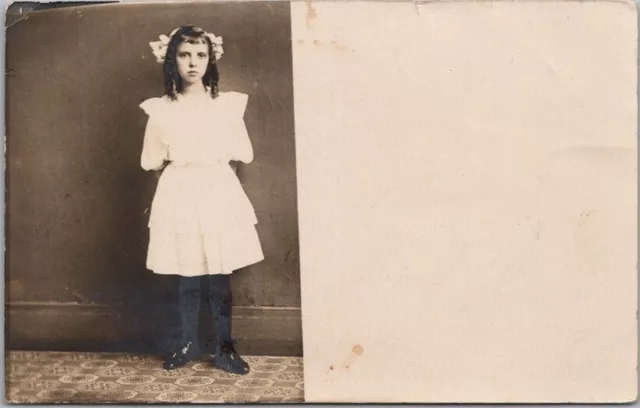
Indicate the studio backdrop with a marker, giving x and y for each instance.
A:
(78, 201)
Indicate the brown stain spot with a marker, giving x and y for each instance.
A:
(300, 41)
(317, 43)
(339, 46)
(356, 352)
(584, 217)
(311, 14)
(331, 368)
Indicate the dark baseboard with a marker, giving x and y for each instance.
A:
(101, 328)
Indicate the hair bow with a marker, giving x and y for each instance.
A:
(159, 48)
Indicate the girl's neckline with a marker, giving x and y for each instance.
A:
(196, 97)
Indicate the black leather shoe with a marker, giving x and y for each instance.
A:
(179, 358)
(228, 359)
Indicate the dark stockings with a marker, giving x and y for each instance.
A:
(219, 297)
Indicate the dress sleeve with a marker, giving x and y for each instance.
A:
(242, 148)
(154, 150)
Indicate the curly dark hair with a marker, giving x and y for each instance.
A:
(172, 80)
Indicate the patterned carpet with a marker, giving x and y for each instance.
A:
(49, 377)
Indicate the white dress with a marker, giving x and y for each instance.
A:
(201, 220)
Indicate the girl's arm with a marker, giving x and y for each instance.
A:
(154, 150)
(243, 150)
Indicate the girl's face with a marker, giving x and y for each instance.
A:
(192, 61)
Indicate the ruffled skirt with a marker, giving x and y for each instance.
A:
(201, 222)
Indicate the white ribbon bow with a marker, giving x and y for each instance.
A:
(159, 48)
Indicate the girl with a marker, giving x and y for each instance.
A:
(202, 225)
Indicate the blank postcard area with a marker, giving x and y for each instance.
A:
(467, 200)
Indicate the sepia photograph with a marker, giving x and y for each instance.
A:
(321, 202)
(152, 247)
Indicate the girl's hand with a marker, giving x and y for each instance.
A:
(159, 171)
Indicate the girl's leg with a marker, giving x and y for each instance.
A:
(189, 304)
(220, 300)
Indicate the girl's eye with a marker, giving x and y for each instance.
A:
(202, 55)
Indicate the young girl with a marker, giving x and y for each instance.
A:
(202, 225)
